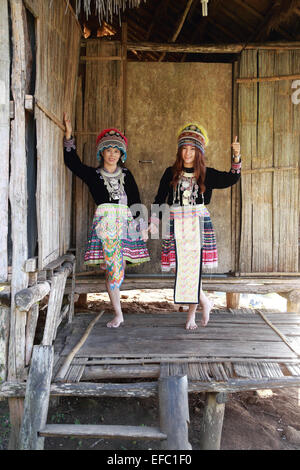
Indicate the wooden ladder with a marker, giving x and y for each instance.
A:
(173, 406)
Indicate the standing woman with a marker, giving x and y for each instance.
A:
(190, 242)
(115, 236)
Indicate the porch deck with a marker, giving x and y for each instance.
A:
(239, 349)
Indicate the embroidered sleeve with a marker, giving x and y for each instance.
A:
(73, 162)
(69, 144)
(236, 167)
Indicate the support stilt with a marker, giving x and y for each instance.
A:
(232, 299)
(212, 422)
(37, 398)
(174, 412)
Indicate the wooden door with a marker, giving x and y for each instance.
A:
(162, 98)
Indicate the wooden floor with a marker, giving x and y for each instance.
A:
(236, 344)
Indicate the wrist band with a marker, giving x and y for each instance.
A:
(69, 144)
(236, 167)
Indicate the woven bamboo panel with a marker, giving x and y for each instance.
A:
(58, 38)
(269, 140)
(247, 133)
(101, 107)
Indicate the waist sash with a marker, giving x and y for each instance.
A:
(188, 233)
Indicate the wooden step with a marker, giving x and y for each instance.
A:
(94, 431)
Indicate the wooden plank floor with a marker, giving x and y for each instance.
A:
(237, 350)
(237, 334)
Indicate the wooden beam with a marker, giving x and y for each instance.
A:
(192, 48)
(89, 431)
(150, 389)
(99, 59)
(268, 79)
(4, 136)
(26, 298)
(179, 27)
(50, 115)
(97, 372)
(211, 48)
(64, 368)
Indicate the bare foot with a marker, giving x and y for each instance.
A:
(207, 306)
(190, 323)
(115, 322)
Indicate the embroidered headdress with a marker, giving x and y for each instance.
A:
(193, 134)
(111, 138)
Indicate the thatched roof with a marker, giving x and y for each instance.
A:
(105, 9)
(183, 22)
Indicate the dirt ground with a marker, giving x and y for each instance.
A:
(269, 421)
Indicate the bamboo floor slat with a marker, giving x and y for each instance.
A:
(234, 344)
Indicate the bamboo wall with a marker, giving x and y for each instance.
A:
(269, 129)
(99, 105)
(58, 45)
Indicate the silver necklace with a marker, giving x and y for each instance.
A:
(114, 183)
(188, 186)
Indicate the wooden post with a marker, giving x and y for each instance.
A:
(232, 300)
(72, 296)
(18, 204)
(81, 301)
(212, 422)
(58, 282)
(4, 135)
(4, 335)
(37, 398)
(174, 411)
(293, 300)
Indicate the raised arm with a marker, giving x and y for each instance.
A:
(224, 179)
(71, 159)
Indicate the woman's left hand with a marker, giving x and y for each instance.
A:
(236, 147)
(144, 235)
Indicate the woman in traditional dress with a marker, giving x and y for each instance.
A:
(190, 241)
(116, 236)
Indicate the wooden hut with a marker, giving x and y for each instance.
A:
(237, 70)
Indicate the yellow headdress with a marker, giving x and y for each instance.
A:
(193, 134)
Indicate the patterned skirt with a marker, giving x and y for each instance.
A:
(114, 238)
(209, 253)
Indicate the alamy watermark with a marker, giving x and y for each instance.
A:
(119, 226)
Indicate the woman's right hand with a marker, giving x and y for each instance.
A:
(68, 127)
(152, 228)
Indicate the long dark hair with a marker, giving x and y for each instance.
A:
(199, 168)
